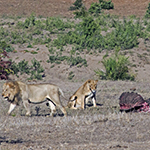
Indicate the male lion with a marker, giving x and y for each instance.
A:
(14, 91)
(80, 97)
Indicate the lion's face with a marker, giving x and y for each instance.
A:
(9, 91)
(92, 85)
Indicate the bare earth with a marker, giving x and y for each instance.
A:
(101, 128)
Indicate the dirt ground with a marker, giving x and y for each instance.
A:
(60, 7)
(101, 128)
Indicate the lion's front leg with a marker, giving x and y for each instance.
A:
(27, 107)
(94, 101)
(83, 99)
(11, 108)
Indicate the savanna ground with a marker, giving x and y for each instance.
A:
(103, 127)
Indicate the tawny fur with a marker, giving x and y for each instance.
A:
(15, 91)
(86, 91)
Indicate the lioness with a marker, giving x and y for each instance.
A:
(14, 91)
(80, 97)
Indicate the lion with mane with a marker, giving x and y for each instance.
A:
(15, 91)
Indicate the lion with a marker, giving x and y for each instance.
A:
(15, 91)
(83, 94)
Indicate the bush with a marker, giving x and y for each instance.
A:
(4, 65)
(34, 70)
(147, 15)
(53, 24)
(125, 35)
(70, 75)
(81, 13)
(77, 5)
(87, 34)
(30, 21)
(89, 27)
(95, 9)
(72, 61)
(106, 4)
(116, 68)
(6, 47)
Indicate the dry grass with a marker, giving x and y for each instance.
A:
(104, 127)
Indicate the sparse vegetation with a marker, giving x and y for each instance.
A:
(116, 68)
(72, 61)
(72, 42)
(4, 65)
(87, 34)
(95, 8)
(77, 5)
(106, 4)
(34, 71)
(147, 15)
(92, 34)
(71, 75)
(5, 69)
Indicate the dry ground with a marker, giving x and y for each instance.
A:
(101, 128)
(60, 7)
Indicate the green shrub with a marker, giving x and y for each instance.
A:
(116, 68)
(95, 8)
(6, 47)
(77, 5)
(106, 4)
(148, 27)
(52, 24)
(30, 21)
(21, 67)
(87, 34)
(81, 12)
(89, 27)
(125, 35)
(34, 70)
(147, 15)
(77, 61)
(70, 75)
(72, 61)
(29, 46)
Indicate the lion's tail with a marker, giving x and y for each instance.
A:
(62, 94)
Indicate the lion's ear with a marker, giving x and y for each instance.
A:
(96, 81)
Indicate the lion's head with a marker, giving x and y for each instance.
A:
(11, 91)
(91, 85)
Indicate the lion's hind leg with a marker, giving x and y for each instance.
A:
(52, 108)
(72, 102)
(55, 99)
(63, 110)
